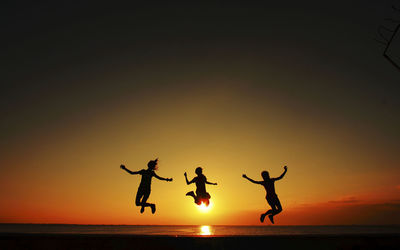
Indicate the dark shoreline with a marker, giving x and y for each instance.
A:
(124, 241)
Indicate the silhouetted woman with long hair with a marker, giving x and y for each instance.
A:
(272, 198)
(144, 189)
(201, 193)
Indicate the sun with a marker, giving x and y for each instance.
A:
(203, 208)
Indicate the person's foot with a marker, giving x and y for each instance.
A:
(191, 193)
(153, 208)
(262, 217)
(271, 218)
(142, 210)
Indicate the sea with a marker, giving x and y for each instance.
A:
(198, 230)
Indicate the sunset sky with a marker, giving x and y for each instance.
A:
(234, 88)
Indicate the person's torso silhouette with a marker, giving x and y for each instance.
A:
(145, 182)
(269, 186)
(200, 181)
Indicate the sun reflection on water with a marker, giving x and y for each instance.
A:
(205, 230)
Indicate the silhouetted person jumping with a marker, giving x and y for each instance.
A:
(272, 198)
(201, 193)
(144, 189)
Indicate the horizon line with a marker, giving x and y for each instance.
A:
(244, 225)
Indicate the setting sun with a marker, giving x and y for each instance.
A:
(204, 208)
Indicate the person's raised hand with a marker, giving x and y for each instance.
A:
(285, 167)
(122, 166)
(170, 179)
(185, 174)
(244, 176)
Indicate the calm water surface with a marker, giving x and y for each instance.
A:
(204, 230)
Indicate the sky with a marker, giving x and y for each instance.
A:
(232, 87)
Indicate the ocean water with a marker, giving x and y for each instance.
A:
(202, 230)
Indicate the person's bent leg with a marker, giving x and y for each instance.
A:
(141, 199)
(139, 196)
(144, 200)
(138, 201)
(271, 212)
(197, 200)
(191, 193)
(262, 217)
(278, 206)
(145, 204)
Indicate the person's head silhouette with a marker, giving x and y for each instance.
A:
(265, 175)
(152, 164)
(199, 171)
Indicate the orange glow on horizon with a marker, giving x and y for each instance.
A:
(72, 174)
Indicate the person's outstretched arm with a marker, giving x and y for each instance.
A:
(187, 181)
(161, 178)
(127, 170)
(251, 180)
(211, 183)
(283, 174)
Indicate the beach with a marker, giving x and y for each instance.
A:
(112, 241)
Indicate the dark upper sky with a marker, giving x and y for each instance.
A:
(64, 59)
